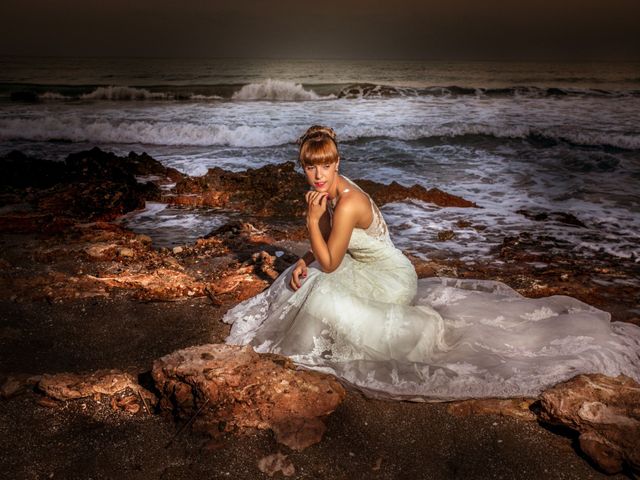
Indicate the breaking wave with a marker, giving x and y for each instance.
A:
(277, 90)
(284, 90)
(186, 133)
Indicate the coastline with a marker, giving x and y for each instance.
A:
(81, 293)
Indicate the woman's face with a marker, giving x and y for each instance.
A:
(322, 177)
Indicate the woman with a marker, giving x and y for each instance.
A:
(354, 307)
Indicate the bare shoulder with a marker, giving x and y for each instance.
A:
(353, 198)
(354, 204)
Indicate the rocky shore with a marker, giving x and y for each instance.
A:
(98, 330)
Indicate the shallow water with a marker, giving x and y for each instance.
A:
(539, 137)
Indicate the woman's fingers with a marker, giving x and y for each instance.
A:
(314, 196)
(295, 279)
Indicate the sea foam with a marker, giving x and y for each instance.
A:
(198, 133)
(281, 90)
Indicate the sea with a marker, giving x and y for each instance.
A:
(530, 143)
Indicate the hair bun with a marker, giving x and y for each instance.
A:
(317, 131)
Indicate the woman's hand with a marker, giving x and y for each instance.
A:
(299, 271)
(317, 205)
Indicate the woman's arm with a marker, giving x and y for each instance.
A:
(325, 228)
(329, 253)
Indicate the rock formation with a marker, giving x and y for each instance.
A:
(120, 388)
(606, 412)
(229, 387)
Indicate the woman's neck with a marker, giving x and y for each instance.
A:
(335, 191)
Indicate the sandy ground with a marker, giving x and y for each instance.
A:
(365, 438)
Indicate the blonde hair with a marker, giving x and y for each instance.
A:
(318, 146)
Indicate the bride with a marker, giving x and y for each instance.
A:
(353, 306)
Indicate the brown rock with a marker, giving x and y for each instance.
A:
(299, 433)
(240, 389)
(276, 462)
(394, 192)
(605, 410)
(510, 407)
(144, 239)
(121, 386)
(126, 252)
(101, 251)
(159, 284)
(16, 384)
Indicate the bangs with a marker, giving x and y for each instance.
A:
(318, 152)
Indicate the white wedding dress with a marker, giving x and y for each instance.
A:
(377, 327)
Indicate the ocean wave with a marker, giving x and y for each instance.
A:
(141, 132)
(205, 97)
(465, 133)
(277, 90)
(186, 133)
(125, 93)
(284, 90)
(370, 90)
(52, 96)
(110, 93)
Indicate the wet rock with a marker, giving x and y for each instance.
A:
(605, 411)
(561, 217)
(445, 235)
(87, 185)
(283, 194)
(276, 462)
(266, 263)
(394, 192)
(463, 223)
(234, 387)
(510, 407)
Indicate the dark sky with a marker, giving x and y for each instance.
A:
(452, 29)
